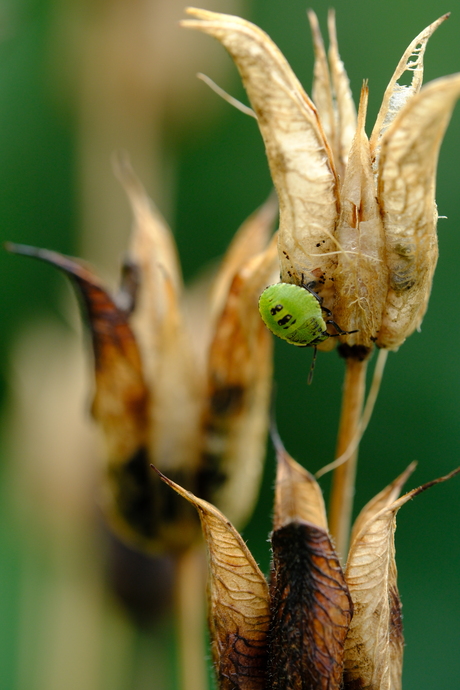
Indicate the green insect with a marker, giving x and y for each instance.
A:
(295, 313)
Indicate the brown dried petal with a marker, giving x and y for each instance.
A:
(310, 610)
(130, 502)
(299, 156)
(406, 192)
(383, 499)
(239, 383)
(346, 109)
(121, 395)
(238, 601)
(298, 495)
(374, 645)
(158, 322)
(155, 242)
(361, 277)
(310, 604)
(396, 95)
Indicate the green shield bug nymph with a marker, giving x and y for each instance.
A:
(294, 313)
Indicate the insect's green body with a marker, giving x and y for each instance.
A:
(293, 313)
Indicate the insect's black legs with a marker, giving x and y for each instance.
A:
(339, 330)
(312, 367)
(312, 292)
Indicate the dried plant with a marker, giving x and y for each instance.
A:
(182, 381)
(315, 627)
(187, 388)
(184, 386)
(357, 215)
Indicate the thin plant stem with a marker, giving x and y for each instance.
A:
(190, 616)
(365, 419)
(343, 485)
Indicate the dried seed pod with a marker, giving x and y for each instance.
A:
(238, 601)
(309, 600)
(361, 277)
(375, 281)
(374, 644)
(203, 415)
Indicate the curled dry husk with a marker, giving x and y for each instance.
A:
(374, 644)
(310, 605)
(357, 217)
(195, 406)
(239, 614)
(315, 627)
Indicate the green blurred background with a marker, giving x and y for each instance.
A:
(79, 79)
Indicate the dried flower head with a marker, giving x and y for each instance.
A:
(315, 626)
(357, 215)
(184, 386)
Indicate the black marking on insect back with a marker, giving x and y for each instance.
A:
(310, 611)
(314, 325)
(285, 320)
(276, 309)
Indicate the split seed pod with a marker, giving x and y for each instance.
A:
(357, 216)
(316, 627)
(193, 398)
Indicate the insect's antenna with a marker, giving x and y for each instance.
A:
(312, 368)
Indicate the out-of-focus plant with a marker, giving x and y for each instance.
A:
(182, 383)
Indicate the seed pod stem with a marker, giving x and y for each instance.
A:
(344, 476)
(190, 611)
